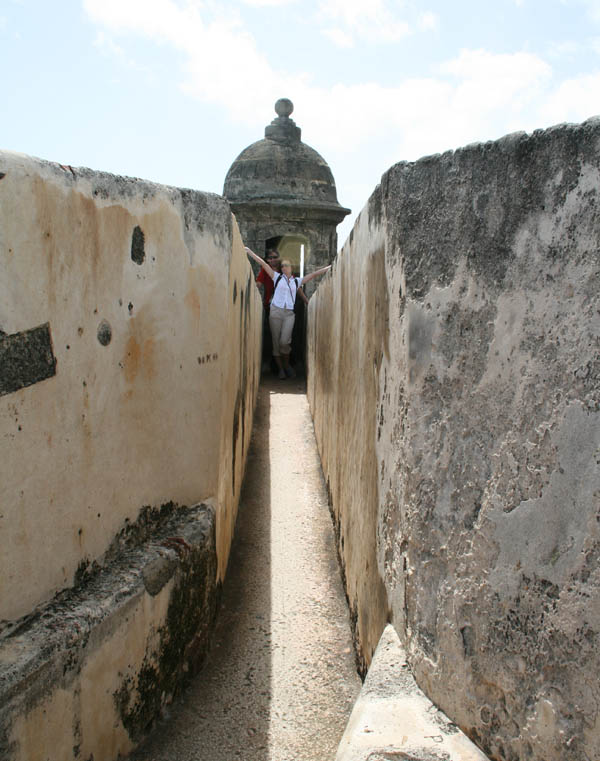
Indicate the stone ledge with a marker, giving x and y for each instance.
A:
(126, 639)
(392, 719)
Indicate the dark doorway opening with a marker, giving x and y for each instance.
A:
(289, 247)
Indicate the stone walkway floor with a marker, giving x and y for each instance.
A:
(281, 681)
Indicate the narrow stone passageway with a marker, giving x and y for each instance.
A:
(280, 681)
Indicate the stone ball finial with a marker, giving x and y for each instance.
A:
(284, 107)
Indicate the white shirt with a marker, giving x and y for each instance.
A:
(285, 291)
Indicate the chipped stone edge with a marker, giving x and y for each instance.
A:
(392, 717)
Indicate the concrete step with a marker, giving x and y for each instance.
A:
(393, 719)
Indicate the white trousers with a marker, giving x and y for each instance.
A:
(281, 322)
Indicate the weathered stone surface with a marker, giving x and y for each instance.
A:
(87, 674)
(149, 368)
(392, 718)
(455, 387)
(157, 572)
(282, 168)
(150, 376)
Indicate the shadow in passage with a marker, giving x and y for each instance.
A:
(280, 679)
(225, 712)
(271, 384)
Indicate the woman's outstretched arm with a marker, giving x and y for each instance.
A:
(306, 278)
(267, 268)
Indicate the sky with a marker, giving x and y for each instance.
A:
(173, 90)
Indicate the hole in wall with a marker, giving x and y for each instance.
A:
(104, 333)
(138, 253)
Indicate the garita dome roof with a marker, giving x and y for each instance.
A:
(281, 169)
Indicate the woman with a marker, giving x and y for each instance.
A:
(281, 315)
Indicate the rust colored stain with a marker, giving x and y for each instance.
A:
(89, 229)
(131, 360)
(148, 358)
(138, 358)
(192, 301)
(43, 211)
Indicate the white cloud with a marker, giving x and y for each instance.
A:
(573, 100)
(593, 7)
(565, 49)
(369, 20)
(477, 95)
(110, 48)
(267, 3)
(496, 81)
(151, 18)
(222, 62)
(429, 20)
(339, 37)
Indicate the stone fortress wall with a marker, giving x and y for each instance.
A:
(454, 382)
(454, 358)
(130, 333)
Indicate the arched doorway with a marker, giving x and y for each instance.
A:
(289, 247)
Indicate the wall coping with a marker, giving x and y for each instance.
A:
(393, 719)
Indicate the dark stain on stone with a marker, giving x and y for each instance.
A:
(26, 358)
(468, 638)
(59, 631)
(8, 747)
(138, 254)
(104, 333)
(184, 639)
(234, 291)
(234, 437)
(471, 518)
(2, 175)
(77, 732)
(375, 204)
(149, 521)
(130, 307)
(86, 570)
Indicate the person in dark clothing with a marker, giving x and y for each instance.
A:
(266, 287)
